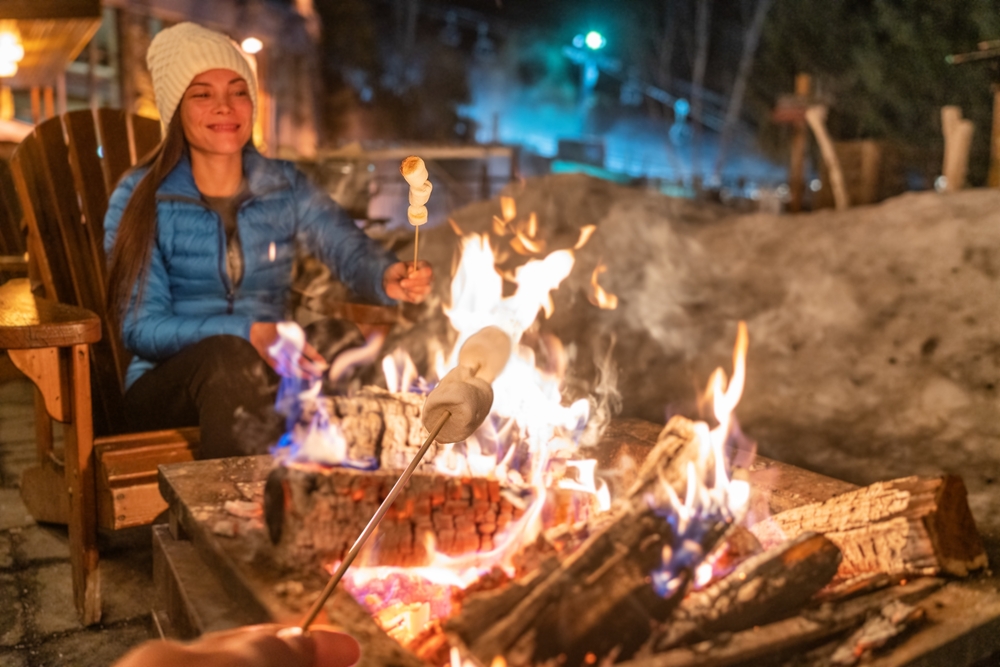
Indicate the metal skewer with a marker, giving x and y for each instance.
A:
(372, 525)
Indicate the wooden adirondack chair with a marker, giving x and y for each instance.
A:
(64, 172)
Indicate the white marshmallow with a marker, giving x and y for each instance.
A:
(417, 215)
(419, 194)
(414, 171)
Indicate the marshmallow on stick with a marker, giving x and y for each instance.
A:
(415, 173)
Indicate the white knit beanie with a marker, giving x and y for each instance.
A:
(181, 52)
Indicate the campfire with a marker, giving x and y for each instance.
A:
(514, 547)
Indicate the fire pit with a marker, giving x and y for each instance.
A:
(506, 549)
(213, 568)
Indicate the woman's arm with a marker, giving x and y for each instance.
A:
(326, 230)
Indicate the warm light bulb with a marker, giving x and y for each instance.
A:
(7, 69)
(252, 45)
(11, 49)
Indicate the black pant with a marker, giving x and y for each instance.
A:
(223, 385)
(220, 383)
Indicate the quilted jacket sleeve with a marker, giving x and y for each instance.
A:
(150, 329)
(357, 260)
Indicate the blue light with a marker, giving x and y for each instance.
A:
(595, 40)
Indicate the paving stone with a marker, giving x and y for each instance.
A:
(126, 584)
(51, 602)
(41, 543)
(93, 647)
(11, 612)
(6, 551)
(13, 658)
(13, 513)
(17, 427)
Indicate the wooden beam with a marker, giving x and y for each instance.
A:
(49, 9)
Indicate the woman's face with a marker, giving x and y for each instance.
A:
(217, 113)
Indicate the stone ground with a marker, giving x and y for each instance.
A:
(38, 622)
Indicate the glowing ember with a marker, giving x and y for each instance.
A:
(712, 498)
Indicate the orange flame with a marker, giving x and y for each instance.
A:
(599, 297)
(585, 233)
(508, 208)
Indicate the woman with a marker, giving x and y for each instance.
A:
(201, 239)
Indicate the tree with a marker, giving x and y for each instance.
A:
(881, 63)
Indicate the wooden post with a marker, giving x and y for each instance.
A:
(50, 104)
(957, 142)
(994, 175)
(800, 141)
(79, 450)
(36, 105)
(816, 118)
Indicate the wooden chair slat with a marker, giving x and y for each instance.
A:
(48, 254)
(12, 238)
(67, 218)
(112, 129)
(88, 174)
(146, 136)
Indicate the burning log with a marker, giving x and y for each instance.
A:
(904, 527)
(314, 514)
(377, 425)
(767, 643)
(599, 599)
(762, 589)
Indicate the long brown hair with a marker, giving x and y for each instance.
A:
(137, 228)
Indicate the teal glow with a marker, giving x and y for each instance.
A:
(595, 40)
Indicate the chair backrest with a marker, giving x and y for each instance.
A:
(64, 172)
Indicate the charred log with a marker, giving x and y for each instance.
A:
(315, 513)
(762, 589)
(768, 643)
(599, 599)
(905, 527)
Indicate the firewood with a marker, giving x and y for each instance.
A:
(377, 425)
(906, 527)
(315, 513)
(763, 588)
(766, 643)
(599, 599)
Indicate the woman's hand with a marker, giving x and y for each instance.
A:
(404, 283)
(289, 357)
(251, 646)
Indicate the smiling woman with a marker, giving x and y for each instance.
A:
(201, 239)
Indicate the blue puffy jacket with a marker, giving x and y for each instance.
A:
(188, 294)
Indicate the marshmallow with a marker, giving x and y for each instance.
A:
(419, 194)
(486, 353)
(414, 171)
(417, 215)
(468, 399)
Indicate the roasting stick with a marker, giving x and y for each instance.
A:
(414, 171)
(464, 398)
(372, 525)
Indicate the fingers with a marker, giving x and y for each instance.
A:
(334, 649)
(312, 363)
(418, 281)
